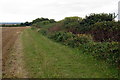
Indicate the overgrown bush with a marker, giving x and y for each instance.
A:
(88, 21)
(108, 51)
(94, 18)
(68, 20)
(73, 32)
(33, 28)
(106, 31)
(71, 24)
(43, 32)
(39, 22)
(72, 40)
(79, 39)
(42, 19)
(62, 36)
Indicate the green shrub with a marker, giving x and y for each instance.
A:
(61, 36)
(108, 51)
(94, 18)
(43, 32)
(72, 40)
(106, 25)
(85, 25)
(106, 31)
(39, 22)
(100, 26)
(33, 28)
(68, 20)
(78, 40)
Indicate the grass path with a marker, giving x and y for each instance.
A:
(47, 59)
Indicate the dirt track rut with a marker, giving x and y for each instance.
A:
(13, 64)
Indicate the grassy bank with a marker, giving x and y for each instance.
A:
(47, 59)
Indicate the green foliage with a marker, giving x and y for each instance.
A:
(68, 20)
(61, 36)
(52, 21)
(37, 25)
(47, 59)
(33, 28)
(79, 25)
(108, 31)
(43, 32)
(45, 22)
(39, 20)
(17, 25)
(70, 39)
(40, 24)
(108, 51)
(106, 25)
(79, 40)
(74, 33)
(72, 26)
(85, 25)
(71, 23)
(26, 24)
(93, 18)
(43, 19)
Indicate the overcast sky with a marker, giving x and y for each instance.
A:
(27, 10)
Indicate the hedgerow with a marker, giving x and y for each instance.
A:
(97, 34)
(106, 31)
(107, 51)
(70, 39)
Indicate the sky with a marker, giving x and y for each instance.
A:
(28, 10)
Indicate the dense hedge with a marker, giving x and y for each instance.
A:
(97, 34)
(94, 18)
(107, 51)
(106, 31)
(72, 40)
(102, 30)
(18, 25)
(101, 26)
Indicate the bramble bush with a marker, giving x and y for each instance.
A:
(73, 32)
(106, 31)
(61, 36)
(43, 32)
(72, 40)
(94, 18)
(108, 51)
(79, 39)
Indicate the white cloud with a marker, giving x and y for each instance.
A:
(27, 10)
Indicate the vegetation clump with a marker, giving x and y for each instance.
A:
(96, 34)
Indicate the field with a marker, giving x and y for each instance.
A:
(9, 38)
(28, 54)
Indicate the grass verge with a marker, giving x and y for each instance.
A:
(47, 59)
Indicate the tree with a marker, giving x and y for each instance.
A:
(52, 20)
(68, 20)
(93, 18)
(72, 23)
(39, 20)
